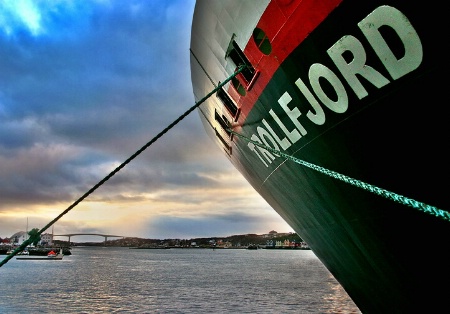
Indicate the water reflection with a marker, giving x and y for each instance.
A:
(93, 280)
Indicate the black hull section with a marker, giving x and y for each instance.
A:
(389, 257)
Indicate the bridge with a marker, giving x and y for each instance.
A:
(91, 234)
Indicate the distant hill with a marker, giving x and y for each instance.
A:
(242, 240)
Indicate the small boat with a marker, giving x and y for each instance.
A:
(252, 247)
(51, 254)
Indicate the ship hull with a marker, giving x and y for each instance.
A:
(379, 121)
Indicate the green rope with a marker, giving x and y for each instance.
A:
(35, 236)
(434, 211)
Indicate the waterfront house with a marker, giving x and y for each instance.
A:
(46, 239)
(19, 237)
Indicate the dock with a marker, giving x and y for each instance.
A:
(35, 258)
(57, 257)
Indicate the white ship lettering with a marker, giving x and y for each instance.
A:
(397, 68)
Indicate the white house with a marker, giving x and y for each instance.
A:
(46, 239)
(19, 237)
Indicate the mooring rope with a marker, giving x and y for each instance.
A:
(35, 236)
(432, 210)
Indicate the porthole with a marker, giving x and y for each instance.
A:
(262, 41)
(238, 86)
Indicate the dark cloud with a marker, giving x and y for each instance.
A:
(100, 78)
(86, 85)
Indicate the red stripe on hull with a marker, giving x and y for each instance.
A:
(284, 37)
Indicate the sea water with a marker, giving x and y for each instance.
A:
(176, 280)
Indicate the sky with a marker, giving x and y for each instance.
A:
(83, 86)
